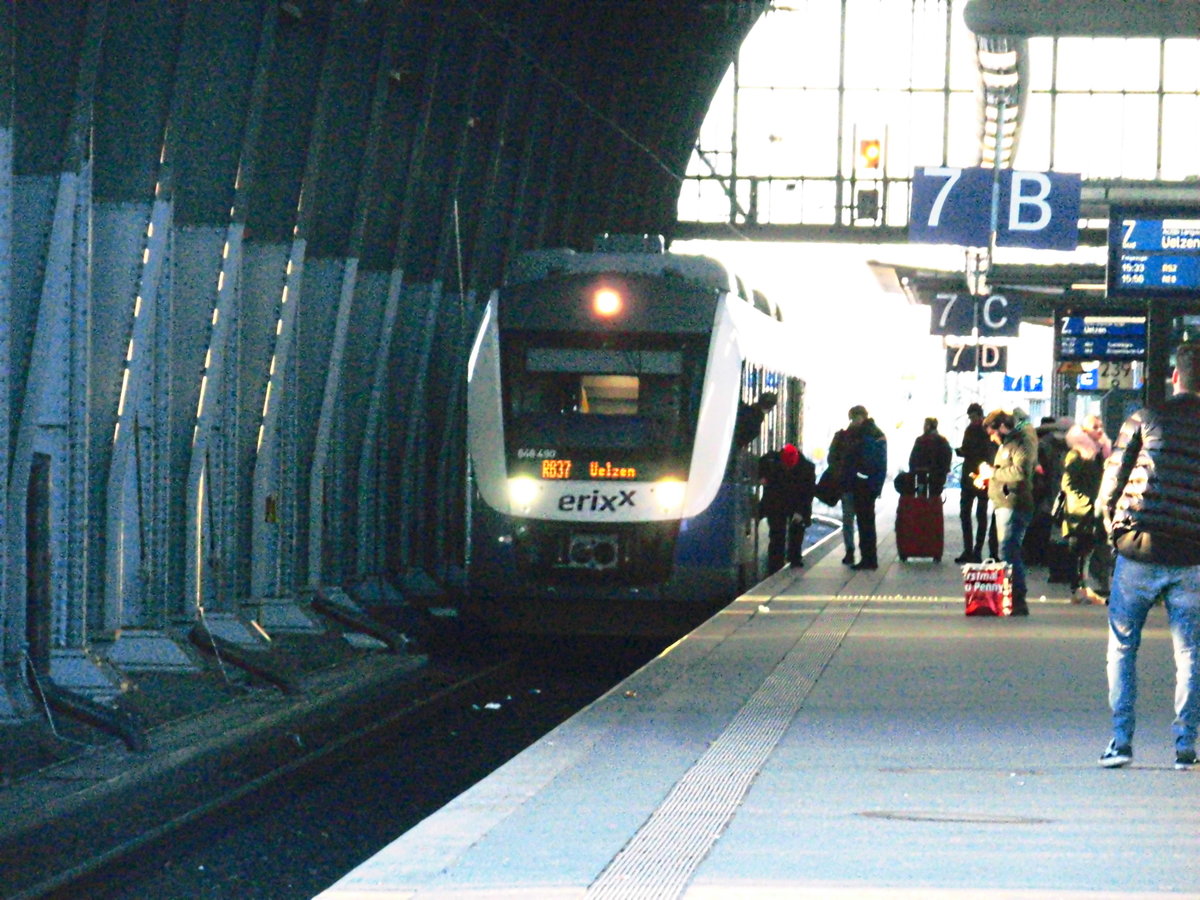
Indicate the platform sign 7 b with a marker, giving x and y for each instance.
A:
(954, 313)
(991, 359)
(1032, 209)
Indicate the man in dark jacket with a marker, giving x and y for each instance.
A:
(1151, 508)
(788, 479)
(975, 450)
(860, 450)
(930, 458)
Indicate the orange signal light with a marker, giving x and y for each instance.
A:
(870, 153)
(606, 302)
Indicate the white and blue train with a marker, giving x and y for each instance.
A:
(603, 390)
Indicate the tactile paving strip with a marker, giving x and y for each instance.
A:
(660, 858)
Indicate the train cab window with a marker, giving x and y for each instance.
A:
(588, 396)
(609, 395)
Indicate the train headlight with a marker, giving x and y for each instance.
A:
(606, 303)
(668, 494)
(522, 491)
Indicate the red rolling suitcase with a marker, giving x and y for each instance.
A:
(920, 530)
(919, 527)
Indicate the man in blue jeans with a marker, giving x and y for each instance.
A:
(1151, 507)
(858, 454)
(1009, 483)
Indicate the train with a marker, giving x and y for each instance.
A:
(605, 491)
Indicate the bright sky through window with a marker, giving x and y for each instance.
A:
(778, 147)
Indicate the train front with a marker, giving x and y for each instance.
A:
(586, 392)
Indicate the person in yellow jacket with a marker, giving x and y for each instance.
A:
(1088, 448)
(1009, 482)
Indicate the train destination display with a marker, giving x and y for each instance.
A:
(1154, 252)
(560, 469)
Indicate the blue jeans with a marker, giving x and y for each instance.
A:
(1136, 587)
(848, 522)
(1011, 525)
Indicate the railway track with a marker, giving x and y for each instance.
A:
(286, 815)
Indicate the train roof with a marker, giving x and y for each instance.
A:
(702, 271)
(537, 265)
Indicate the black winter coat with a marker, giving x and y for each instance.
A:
(786, 491)
(1150, 493)
(931, 453)
(976, 448)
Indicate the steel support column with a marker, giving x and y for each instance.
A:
(54, 416)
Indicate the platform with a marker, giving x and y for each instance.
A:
(835, 734)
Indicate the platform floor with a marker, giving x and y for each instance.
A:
(835, 734)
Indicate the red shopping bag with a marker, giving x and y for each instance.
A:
(987, 588)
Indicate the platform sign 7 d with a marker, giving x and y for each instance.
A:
(1033, 209)
(985, 359)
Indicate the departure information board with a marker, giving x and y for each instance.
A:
(1114, 337)
(1154, 252)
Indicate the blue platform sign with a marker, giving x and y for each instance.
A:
(958, 313)
(1034, 209)
(1024, 384)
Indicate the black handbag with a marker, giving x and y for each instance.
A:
(829, 487)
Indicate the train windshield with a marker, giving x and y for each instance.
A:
(637, 402)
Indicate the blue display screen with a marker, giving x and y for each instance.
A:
(1154, 252)
(1114, 337)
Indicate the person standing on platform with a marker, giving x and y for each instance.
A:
(1041, 547)
(1151, 508)
(842, 449)
(1009, 483)
(1088, 448)
(930, 455)
(976, 449)
(860, 450)
(788, 479)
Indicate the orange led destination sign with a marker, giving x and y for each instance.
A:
(555, 469)
(607, 471)
(560, 470)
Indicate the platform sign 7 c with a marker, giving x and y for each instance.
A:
(953, 313)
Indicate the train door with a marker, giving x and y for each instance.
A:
(781, 425)
(743, 475)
